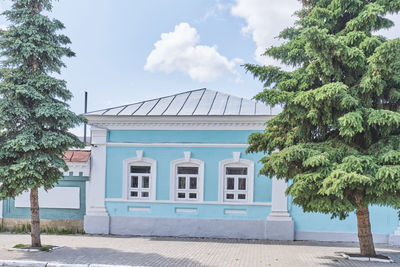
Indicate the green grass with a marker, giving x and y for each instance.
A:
(26, 229)
(46, 248)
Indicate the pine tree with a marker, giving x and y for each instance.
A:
(337, 139)
(34, 115)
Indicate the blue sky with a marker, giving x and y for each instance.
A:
(128, 51)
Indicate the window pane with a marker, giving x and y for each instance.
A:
(229, 196)
(145, 194)
(134, 193)
(242, 196)
(192, 195)
(230, 183)
(181, 182)
(134, 182)
(188, 170)
(145, 182)
(181, 195)
(193, 183)
(242, 184)
(236, 171)
(140, 169)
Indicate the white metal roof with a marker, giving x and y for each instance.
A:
(200, 102)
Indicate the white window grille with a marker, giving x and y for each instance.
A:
(140, 181)
(187, 183)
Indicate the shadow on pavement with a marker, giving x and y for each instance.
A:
(105, 256)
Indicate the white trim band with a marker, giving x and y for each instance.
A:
(265, 204)
(179, 145)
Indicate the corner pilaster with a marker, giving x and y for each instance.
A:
(96, 220)
(280, 225)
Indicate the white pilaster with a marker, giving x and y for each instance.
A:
(280, 225)
(1, 209)
(96, 220)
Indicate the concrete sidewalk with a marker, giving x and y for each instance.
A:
(157, 251)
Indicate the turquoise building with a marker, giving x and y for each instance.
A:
(176, 166)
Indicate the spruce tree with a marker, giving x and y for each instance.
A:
(34, 115)
(337, 140)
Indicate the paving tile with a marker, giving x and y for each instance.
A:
(162, 251)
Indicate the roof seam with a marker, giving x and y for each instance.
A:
(138, 107)
(184, 103)
(169, 105)
(154, 106)
(240, 107)
(212, 103)
(107, 110)
(226, 104)
(198, 103)
(122, 109)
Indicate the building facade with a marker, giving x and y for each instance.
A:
(177, 166)
(61, 208)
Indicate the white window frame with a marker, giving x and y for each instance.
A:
(186, 162)
(139, 161)
(236, 161)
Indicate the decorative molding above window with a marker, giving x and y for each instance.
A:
(236, 180)
(139, 178)
(187, 179)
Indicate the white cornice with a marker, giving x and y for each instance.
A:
(179, 122)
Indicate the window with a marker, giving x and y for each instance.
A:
(235, 186)
(187, 176)
(236, 177)
(187, 183)
(139, 178)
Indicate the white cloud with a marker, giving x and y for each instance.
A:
(178, 51)
(393, 32)
(265, 19)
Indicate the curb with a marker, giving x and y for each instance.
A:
(370, 259)
(49, 264)
(33, 249)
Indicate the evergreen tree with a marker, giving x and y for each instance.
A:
(34, 115)
(337, 139)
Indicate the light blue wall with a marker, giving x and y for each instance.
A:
(10, 211)
(384, 220)
(164, 155)
(173, 136)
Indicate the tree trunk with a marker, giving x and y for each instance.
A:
(35, 219)
(364, 232)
